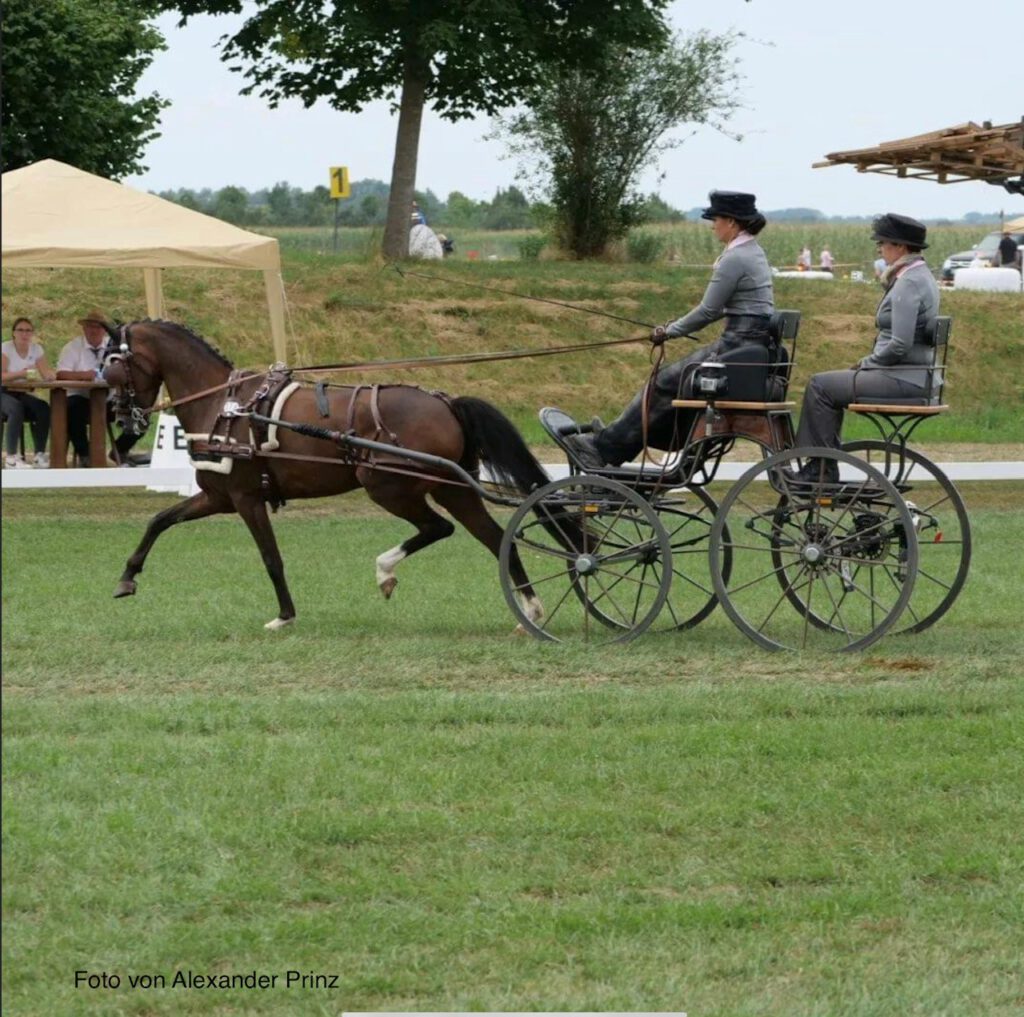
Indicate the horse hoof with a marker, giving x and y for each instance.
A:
(519, 630)
(278, 623)
(388, 587)
(125, 588)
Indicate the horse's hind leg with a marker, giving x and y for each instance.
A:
(407, 500)
(196, 507)
(467, 506)
(253, 509)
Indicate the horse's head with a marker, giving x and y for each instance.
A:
(132, 369)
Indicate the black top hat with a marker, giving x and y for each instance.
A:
(731, 205)
(899, 229)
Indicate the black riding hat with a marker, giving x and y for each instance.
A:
(731, 205)
(899, 229)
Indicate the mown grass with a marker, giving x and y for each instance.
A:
(446, 817)
(345, 309)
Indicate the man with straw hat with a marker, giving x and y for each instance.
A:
(82, 360)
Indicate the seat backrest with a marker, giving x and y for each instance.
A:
(938, 332)
(784, 326)
(938, 337)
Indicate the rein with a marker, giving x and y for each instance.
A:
(405, 363)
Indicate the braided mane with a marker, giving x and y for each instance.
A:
(192, 335)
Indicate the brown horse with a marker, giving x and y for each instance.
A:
(464, 430)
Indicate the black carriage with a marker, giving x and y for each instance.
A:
(794, 565)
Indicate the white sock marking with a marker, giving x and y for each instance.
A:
(386, 563)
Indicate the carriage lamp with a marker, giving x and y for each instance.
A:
(710, 379)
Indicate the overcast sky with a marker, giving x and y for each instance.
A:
(819, 76)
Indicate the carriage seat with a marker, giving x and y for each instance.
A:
(937, 337)
(758, 376)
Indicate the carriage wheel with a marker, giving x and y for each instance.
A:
(588, 542)
(943, 529)
(687, 517)
(843, 555)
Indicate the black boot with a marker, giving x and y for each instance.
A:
(814, 472)
(584, 451)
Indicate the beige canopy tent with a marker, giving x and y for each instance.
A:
(56, 216)
(1014, 225)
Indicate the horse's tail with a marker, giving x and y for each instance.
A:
(492, 437)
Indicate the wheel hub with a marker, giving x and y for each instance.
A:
(813, 553)
(586, 565)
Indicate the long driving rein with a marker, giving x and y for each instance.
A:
(129, 410)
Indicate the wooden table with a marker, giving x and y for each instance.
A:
(59, 417)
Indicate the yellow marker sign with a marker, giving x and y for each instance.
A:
(339, 182)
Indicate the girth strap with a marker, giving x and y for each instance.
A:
(322, 405)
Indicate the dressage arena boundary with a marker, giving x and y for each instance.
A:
(182, 479)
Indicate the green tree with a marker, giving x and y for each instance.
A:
(591, 131)
(69, 78)
(281, 204)
(463, 212)
(509, 210)
(231, 204)
(461, 56)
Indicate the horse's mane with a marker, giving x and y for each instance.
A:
(194, 336)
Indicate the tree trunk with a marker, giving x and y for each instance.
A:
(403, 172)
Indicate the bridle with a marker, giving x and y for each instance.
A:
(130, 415)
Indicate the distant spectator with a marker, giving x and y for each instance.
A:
(1007, 254)
(803, 259)
(447, 244)
(827, 261)
(418, 218)
(82, 360)
(25, 360)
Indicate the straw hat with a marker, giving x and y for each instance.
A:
(94, 317)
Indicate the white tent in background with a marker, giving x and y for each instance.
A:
(56, 216)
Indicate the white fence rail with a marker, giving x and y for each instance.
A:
(182, 480)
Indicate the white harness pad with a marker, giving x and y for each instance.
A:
(225, 464)
(272, 444)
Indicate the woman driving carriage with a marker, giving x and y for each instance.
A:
(905, 317)
(740, 291)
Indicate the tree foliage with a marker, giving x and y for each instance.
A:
(70, 72)
(460, 57)
(590, 131)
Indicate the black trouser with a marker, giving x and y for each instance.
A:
(19, 407)
(78, 429)
(623, 438)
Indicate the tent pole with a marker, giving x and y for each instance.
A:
(275, 302)
(153, 278)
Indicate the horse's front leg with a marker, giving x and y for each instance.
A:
(253, 510)
(196, 507)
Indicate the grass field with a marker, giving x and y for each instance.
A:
(443, 816)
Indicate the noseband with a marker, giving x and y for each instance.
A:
(132, 417)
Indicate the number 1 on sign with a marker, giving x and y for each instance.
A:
(339, 182)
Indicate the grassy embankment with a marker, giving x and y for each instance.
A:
(349, 308)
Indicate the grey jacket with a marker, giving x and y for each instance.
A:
(741, 283)
(908, 308)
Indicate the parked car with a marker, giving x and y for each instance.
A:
(986, 251)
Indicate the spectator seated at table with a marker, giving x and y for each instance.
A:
(82, 360)
(25, 360)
